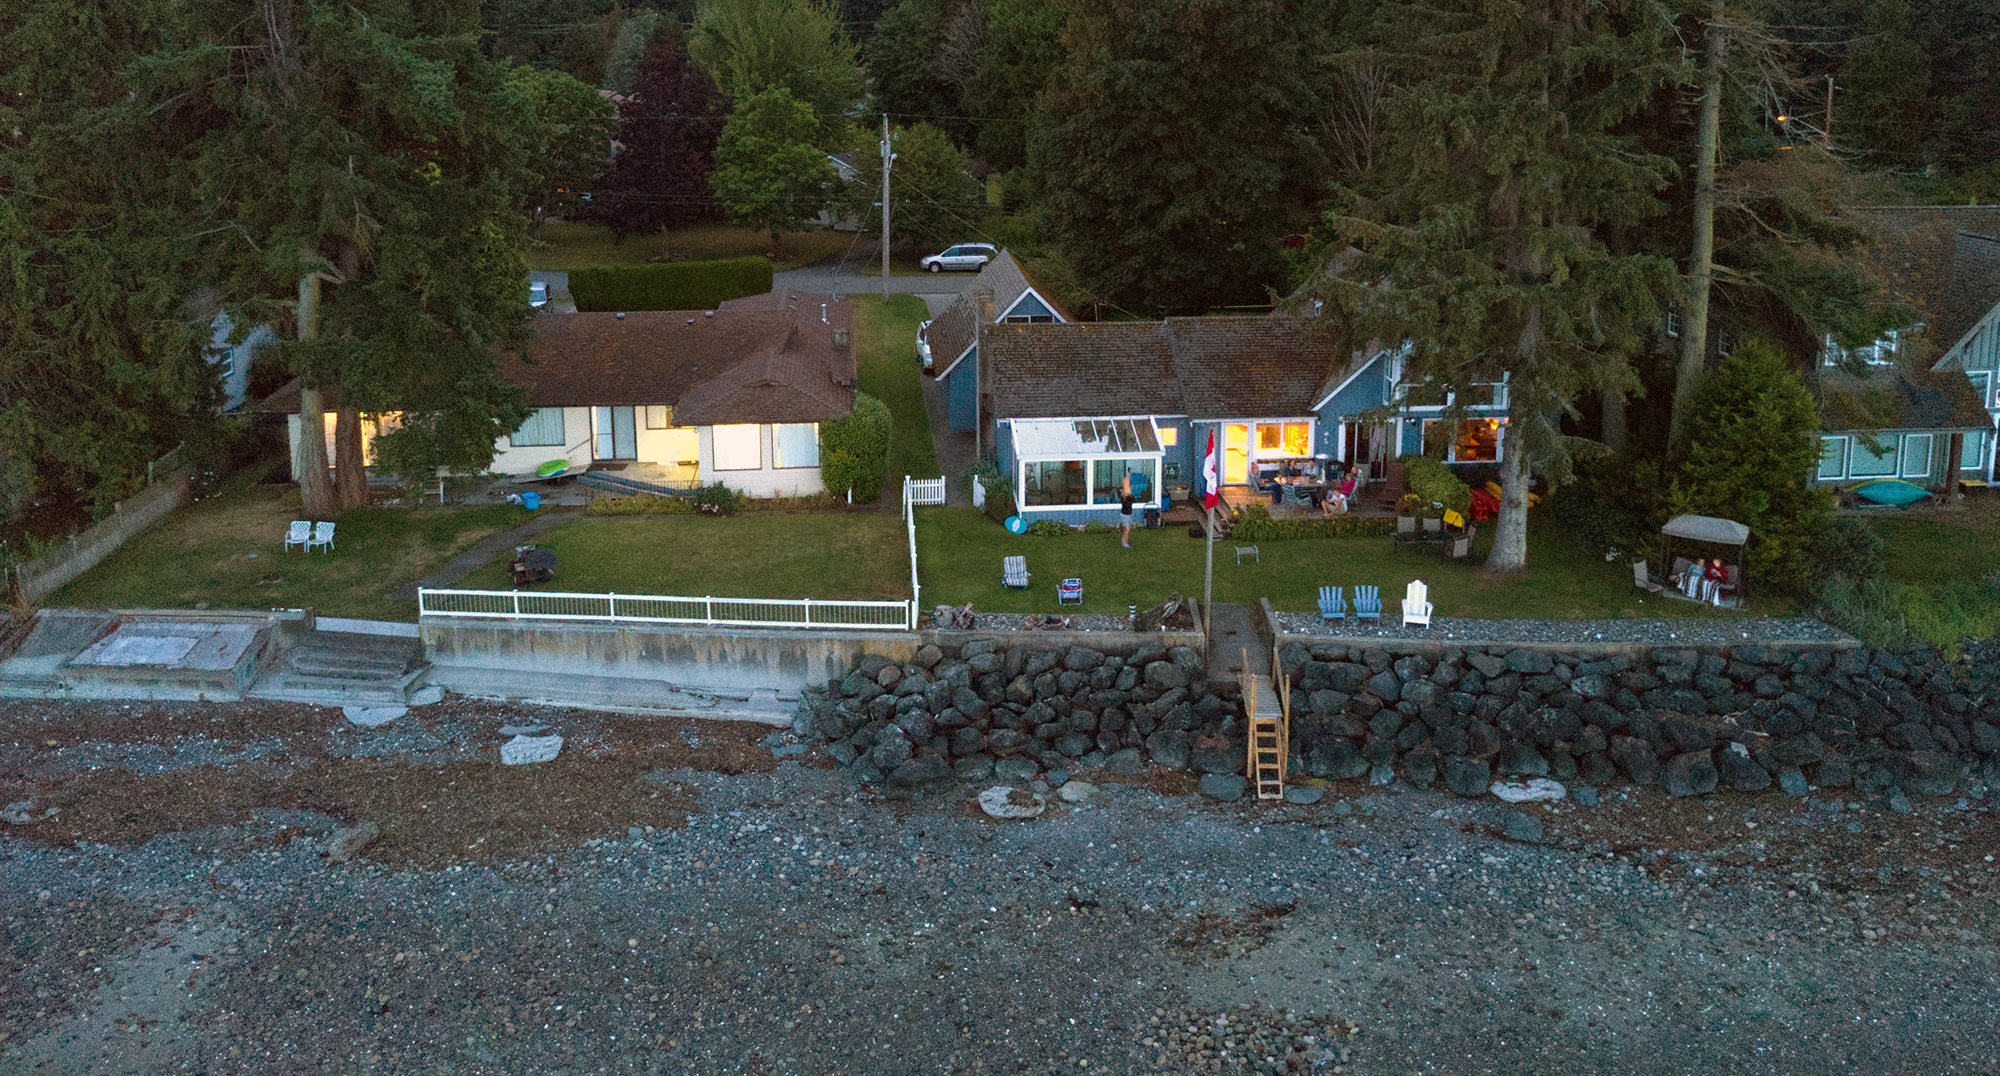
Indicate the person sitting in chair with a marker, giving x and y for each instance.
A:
(1714, 579)
(1334, 502)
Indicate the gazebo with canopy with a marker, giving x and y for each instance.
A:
(1708, 531)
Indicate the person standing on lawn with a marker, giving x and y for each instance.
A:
(1125, 512)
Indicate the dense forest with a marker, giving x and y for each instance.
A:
(364, 179)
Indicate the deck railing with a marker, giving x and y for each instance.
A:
(666, 609)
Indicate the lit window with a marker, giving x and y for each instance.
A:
(1170, 436)
(1472, 440)
(739, 448)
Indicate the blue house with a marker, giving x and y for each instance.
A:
(231, 361)
(1074, 409)
(1001, 294)
(1976, 354)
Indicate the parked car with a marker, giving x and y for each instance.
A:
(924, 346)
(538, 293)
(963, 256)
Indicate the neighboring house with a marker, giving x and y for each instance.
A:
(1884, 413)
(1075, 408)
(829, 217)
(732, 395)
(1001, 294)
(232, 361)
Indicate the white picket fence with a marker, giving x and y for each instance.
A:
(920, 491)
(667, 609)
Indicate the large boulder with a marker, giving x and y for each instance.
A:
(1692, 773)
(1742, 772)
(1636, 758)
(921, 771)
(1467, 776)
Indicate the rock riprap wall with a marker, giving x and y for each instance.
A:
(1690, 721)
(1018, 712)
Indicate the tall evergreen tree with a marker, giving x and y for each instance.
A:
(1020, 52)
(1170, 191)
(101, 362)
(371, 147)
(1480, 240)
(668, 129)
(573, 128)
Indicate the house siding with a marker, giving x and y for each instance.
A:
(1921, 457)
(766, 481)
(961, 392)
(1030, 305)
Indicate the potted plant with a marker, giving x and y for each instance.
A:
(1407, 507)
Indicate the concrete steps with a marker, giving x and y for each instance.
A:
(348, 667)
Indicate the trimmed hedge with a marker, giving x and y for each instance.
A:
(1255, 524)
(668, 286)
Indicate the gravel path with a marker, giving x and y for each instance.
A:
(798, 924)
(1662, 632)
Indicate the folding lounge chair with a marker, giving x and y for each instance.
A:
(1014, 572)
(1069, 592)
(1640, 580)
(1331, 606)
(1417, 604)
(1367, 603)
(322, 536)
(298, 533)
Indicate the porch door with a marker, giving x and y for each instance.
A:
(1377, 454)
(1235, 454)
(614, 433)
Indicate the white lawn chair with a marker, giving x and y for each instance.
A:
(322, 537)
(298, 533)
(1417, 604)
(1014, 572)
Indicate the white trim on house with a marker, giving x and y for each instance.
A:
(1036, 441)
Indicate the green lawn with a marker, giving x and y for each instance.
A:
(229, 553)
(885, 350)
(564, 245)
(959, 553)
(1948, 567)
(852, 556)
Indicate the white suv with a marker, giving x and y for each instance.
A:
(963, 256)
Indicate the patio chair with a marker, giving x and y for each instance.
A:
(322, 536)
(1069, 592)
(1461, 543)
(1417, 604)
(1250, 549)
(1367, 603)
(1331, 605)
(1640, 580)
(1014, 572)
(296, 535)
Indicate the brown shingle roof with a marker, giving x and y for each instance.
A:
(1206, 368)
(762, 358)
(1911, 398)
(1937, 259)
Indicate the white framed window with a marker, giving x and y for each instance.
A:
(739, 447)
(659, 416)
(1972, 452)
(1982, 383)
(795, 444)
(1170, 436)
(1473, 440)
(1916, 455)
(543, 428)
(1878, 461)
(1673, 324)
(1832, 457)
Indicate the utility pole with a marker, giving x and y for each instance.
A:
(887, 156)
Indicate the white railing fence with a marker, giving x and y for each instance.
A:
(923, 490)
(666, 609)
(910, 525)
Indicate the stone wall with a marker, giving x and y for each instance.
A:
(1691, 721)
(983, 709)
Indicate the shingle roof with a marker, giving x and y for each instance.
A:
(954, 330)
(1205, 368)
(1915, 398)
(1941, 260)
(1000, 283)
(762, 358)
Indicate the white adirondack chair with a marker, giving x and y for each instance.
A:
(1417, 604)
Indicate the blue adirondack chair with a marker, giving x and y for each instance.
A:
(1331, 605)
(1367, 603)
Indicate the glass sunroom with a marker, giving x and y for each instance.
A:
(1074, 470)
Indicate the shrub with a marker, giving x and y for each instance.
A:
(1434, 484)
(640, 504)
(1894, 616)
(717, 500)
(854, 449)
(1750, 451)
(1049, 528)
(1614, 504)
(999, 491)
(671, 286)
(1849, 547)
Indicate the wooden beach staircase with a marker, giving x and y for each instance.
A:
(1267, 712)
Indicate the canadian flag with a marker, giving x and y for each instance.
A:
(1211, 474)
